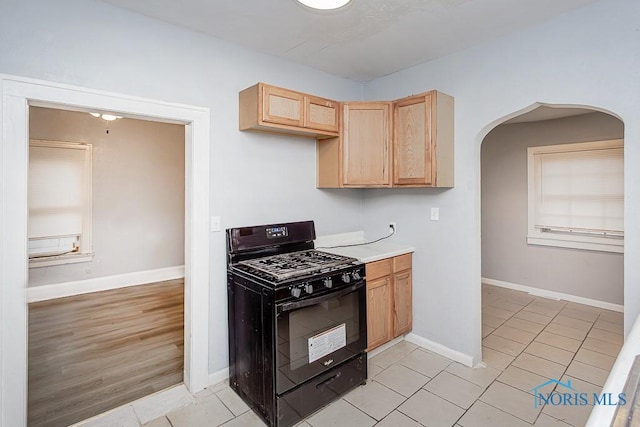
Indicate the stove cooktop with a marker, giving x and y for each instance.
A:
(295, 264)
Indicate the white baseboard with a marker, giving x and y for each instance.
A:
(383, 347)
(554, 295)
(427, 344)
(66, 289)
(218, 376)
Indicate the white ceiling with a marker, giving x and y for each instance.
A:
(362, 41)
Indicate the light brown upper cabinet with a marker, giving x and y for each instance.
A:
(413, 147)
(361, 156)
(273, 109)
(366, 144)
(423, 141)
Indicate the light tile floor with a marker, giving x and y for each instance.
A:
(526, 341)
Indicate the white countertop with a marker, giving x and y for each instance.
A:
(365, 252)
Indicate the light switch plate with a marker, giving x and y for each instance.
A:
(215, 223)
(435, 214)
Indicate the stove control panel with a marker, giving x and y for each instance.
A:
(322, 285)
(277, 232)
(299, 290)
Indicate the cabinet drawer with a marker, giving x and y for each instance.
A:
(378, 269)
(402, 262)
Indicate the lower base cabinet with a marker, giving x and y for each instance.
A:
(389, 299)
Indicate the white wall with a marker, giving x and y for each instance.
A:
(137, 191)
(506, 256)
(588, 57)
(255, 178)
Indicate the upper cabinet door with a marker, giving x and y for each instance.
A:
(320, 113)
(282, 106)
(423, 141)
(413, 141)
(366, 143)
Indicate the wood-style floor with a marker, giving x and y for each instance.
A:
(91, 353)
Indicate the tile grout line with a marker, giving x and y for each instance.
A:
(564, 306)
(354, 406)
(228, 408)
(508, 365)
(428, 391)
(511, 362)
(389, 388)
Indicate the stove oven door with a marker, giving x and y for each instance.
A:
(318, 333)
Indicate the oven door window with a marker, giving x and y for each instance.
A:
(318, 336)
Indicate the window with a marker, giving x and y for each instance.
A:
(59, 197)
(576, 195)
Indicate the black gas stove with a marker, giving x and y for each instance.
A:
(297, 321)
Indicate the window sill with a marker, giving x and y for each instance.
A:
(575, 242)
(60, 260)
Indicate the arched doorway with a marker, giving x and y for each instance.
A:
(593, 277)
(548, 312)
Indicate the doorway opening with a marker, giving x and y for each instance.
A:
(550, 311)
(92, 346)
(17, 95)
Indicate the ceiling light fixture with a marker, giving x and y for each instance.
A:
(324, 4)
(110, 117)
(107, 117)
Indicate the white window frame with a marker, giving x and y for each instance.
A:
(85, 252)
(563, 238)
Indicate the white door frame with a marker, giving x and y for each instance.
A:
(16, 94)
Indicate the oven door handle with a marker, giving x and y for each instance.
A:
(289, 306)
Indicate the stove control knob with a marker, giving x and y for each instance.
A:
(327, 282)
(355, 275)
(308, 288)
(295, 292)
(346, 278)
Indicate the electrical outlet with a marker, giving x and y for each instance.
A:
(393, 227)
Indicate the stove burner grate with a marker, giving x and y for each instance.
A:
(292, 264)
